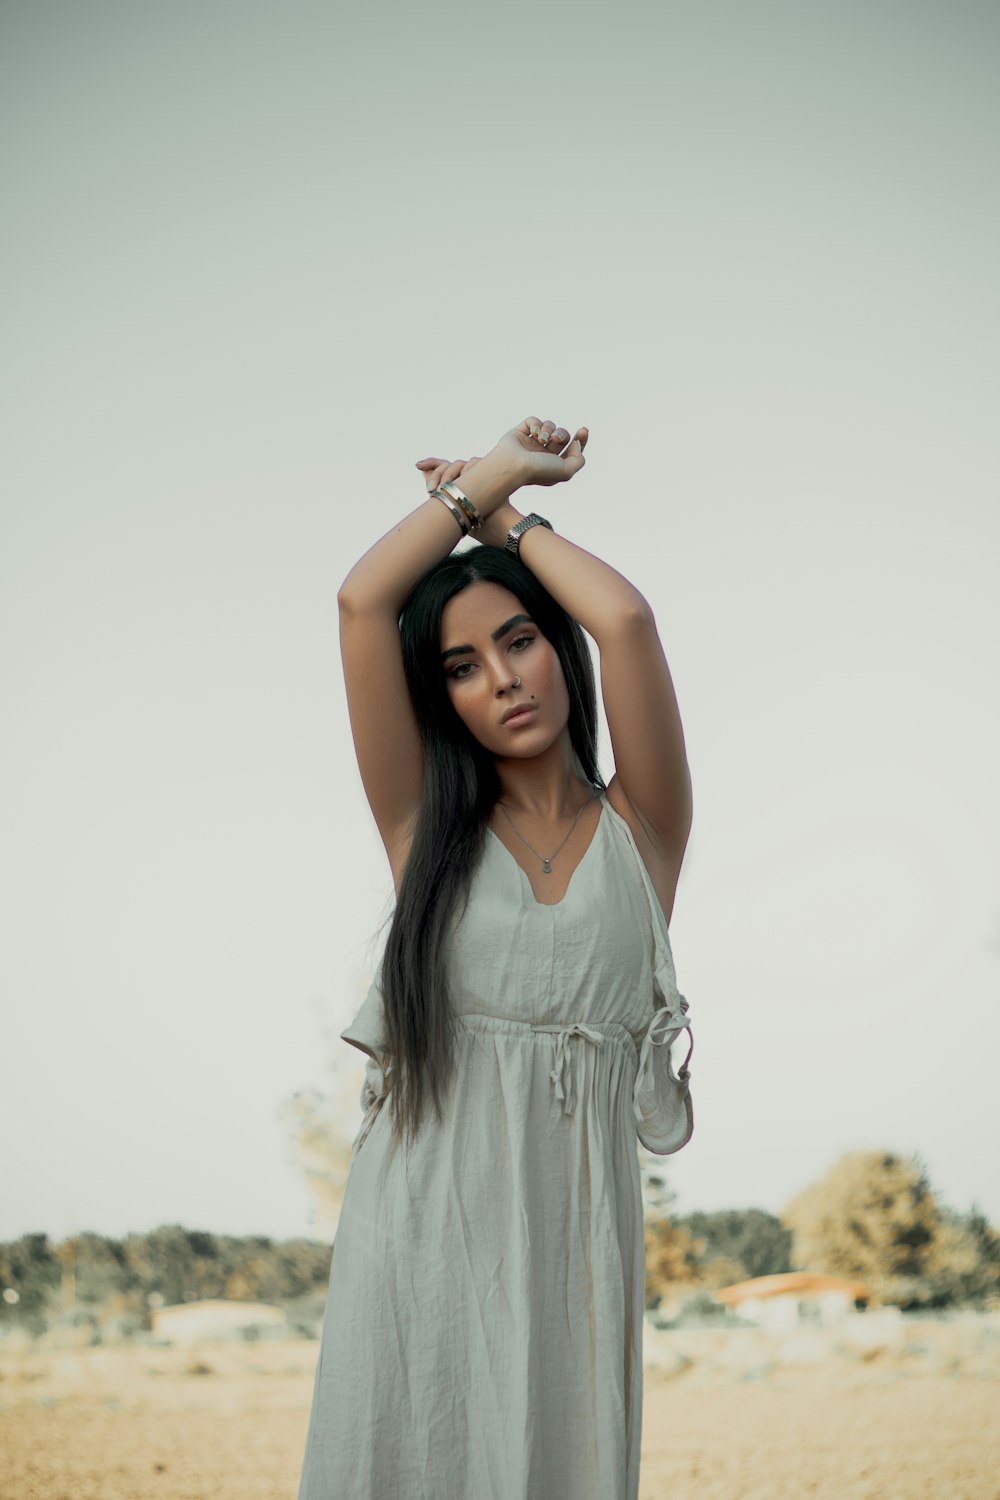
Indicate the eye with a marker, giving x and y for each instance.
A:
(516, 644)
(462, 670)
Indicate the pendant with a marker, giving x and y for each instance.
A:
(546, 867)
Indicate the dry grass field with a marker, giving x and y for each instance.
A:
(898, 1414)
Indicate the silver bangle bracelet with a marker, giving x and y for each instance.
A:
(472, 515)
(462, 523)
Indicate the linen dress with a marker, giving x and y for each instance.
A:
(482, 1336)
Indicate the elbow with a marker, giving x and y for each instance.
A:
(639, 611)
(635, 614)
(347, 597)
(358, 602)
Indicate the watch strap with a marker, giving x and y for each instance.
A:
(517, 531)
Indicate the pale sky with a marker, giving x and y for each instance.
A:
(257, 262)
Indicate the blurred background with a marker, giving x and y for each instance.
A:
(258, 260)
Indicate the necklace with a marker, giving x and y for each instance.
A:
(546, 861)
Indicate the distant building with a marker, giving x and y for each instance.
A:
(795, 1297)
(214, 1318)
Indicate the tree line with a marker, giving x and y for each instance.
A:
(117, 1283)
(873, 1217)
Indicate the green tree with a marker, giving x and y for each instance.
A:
(177, 1263)
(967, 1263)
(30, 1268)
(671, 1260)
(671, 1253)
(101, 1267)
(749, 1241)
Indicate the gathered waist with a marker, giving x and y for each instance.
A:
(479, 1021)
(597, 1033)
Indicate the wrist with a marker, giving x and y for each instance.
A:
(490, 483)
(505, 516)
(496, 527)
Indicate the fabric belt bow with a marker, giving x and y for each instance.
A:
(562, 1073)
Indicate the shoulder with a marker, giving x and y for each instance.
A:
(662, 866)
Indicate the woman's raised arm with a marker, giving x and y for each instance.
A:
(371, 597)
(651, 786)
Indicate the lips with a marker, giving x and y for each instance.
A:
(520, 711)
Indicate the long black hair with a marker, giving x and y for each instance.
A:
(460, 789)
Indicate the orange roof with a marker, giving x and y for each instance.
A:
(791, 1283)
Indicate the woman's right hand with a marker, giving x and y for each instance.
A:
(542, 452)
(525, 454)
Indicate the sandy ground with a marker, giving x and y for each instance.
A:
(891, 1415)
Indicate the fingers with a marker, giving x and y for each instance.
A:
(432, 465)
(434, 470)
(572, 447)
(438, 470)
(546, 434)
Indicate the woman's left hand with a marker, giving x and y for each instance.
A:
(436, 470)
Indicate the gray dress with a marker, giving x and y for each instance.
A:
(482, 1338)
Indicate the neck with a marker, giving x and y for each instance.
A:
(549, 786)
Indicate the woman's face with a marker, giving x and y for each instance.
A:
(487, 640)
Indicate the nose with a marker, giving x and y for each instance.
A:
(505, 682)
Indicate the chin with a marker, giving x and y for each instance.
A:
(527, 746)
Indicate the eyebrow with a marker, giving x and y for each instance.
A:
(494, 635)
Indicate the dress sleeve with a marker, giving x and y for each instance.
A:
(367, 1033)
(661, 1098)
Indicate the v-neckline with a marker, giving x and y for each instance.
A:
(551, 905)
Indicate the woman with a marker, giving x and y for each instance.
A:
(483, 1329)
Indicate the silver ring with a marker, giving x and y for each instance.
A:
(516, 682)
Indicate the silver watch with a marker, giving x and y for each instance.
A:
(517, 531)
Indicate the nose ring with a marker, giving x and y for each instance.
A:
(516, 682)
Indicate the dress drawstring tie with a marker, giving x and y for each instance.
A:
(562, 1072)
